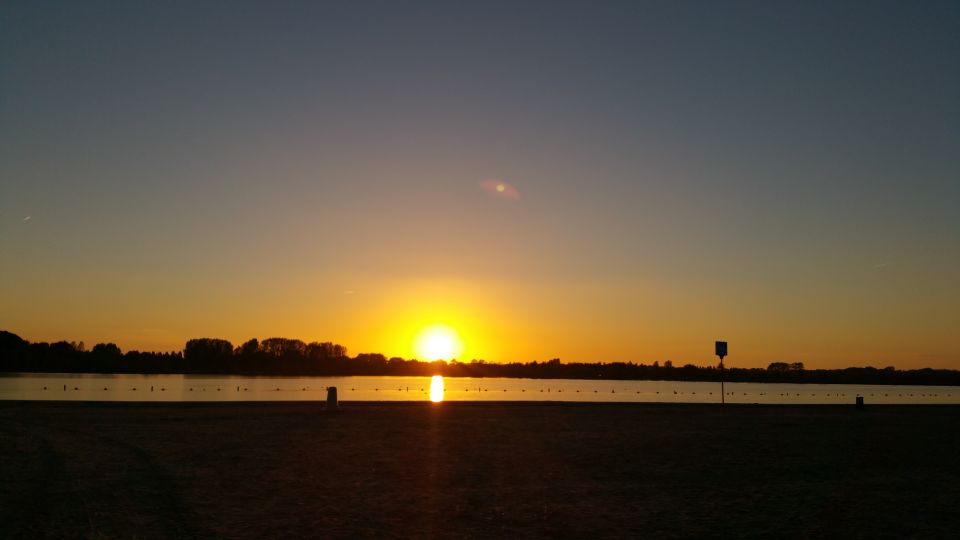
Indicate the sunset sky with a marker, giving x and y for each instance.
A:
(594, 181)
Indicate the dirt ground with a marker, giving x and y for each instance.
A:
(477, 470)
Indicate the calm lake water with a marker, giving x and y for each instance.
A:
(68, 387)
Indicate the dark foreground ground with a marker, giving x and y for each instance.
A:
(477, 470)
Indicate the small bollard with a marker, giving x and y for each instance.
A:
(859, 402)
(332, 404)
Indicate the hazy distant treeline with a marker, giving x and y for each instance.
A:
(282, 356)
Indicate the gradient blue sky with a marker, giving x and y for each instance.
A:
(784, 175)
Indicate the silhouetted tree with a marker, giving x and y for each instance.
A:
(208, 354)
(106, 358)
(248, 348)
(106, 350)
(278, 347)
(13, 352)
(317, 351)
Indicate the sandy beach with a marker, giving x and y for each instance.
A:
(470, 470)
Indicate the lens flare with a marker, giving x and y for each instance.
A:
(500, 188)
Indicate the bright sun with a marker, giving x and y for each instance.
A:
(438, 342)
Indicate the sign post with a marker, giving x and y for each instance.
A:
(720, 349)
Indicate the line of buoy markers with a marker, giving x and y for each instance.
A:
(550, 390)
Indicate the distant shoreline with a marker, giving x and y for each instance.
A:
(293, 358)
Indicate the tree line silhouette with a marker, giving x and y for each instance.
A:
(293, 357)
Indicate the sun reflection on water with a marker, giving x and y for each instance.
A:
(436, 389)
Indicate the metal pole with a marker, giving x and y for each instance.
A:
(720, 348)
